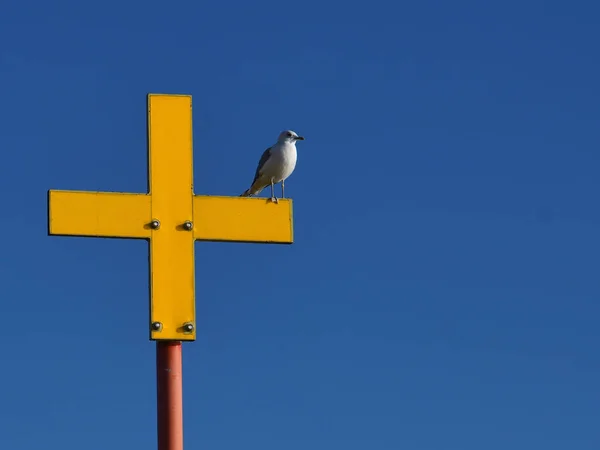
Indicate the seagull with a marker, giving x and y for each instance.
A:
(276, 164)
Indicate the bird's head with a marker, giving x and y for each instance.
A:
(289, 136)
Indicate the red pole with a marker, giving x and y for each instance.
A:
(169, 395)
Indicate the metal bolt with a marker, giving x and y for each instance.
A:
(155, 224)
(188, 327)
(188, 225)
(156, 326)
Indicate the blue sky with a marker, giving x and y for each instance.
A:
(442, 291)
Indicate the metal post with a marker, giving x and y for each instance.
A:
(169, 395)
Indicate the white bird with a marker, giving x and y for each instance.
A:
(276, 164)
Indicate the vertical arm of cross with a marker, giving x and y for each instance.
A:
(172, 308)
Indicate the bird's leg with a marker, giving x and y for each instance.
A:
(273, 198)
(282, 188)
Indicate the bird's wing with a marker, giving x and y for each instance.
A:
(263, 159)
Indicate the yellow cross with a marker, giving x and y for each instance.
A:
(170, 216)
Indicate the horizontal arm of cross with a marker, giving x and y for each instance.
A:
(99, 214)
(124, 215)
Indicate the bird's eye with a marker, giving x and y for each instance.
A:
(289, 134)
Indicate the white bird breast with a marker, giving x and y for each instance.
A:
(282, 162)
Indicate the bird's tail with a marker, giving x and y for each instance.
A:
(255, 189)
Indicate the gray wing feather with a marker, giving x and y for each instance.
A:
(263, 159)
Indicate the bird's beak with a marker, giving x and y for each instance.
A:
(299, 138)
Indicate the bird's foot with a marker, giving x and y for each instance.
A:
(274, 200)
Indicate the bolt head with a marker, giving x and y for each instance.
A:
(155, 224)
(188, 327)
(188, 225)
(156, 326)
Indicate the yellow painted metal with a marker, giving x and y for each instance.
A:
(98, 214)
(243, 219)
(172, 203)
(171, 246)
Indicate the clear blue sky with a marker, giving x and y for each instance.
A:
(443, 288)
